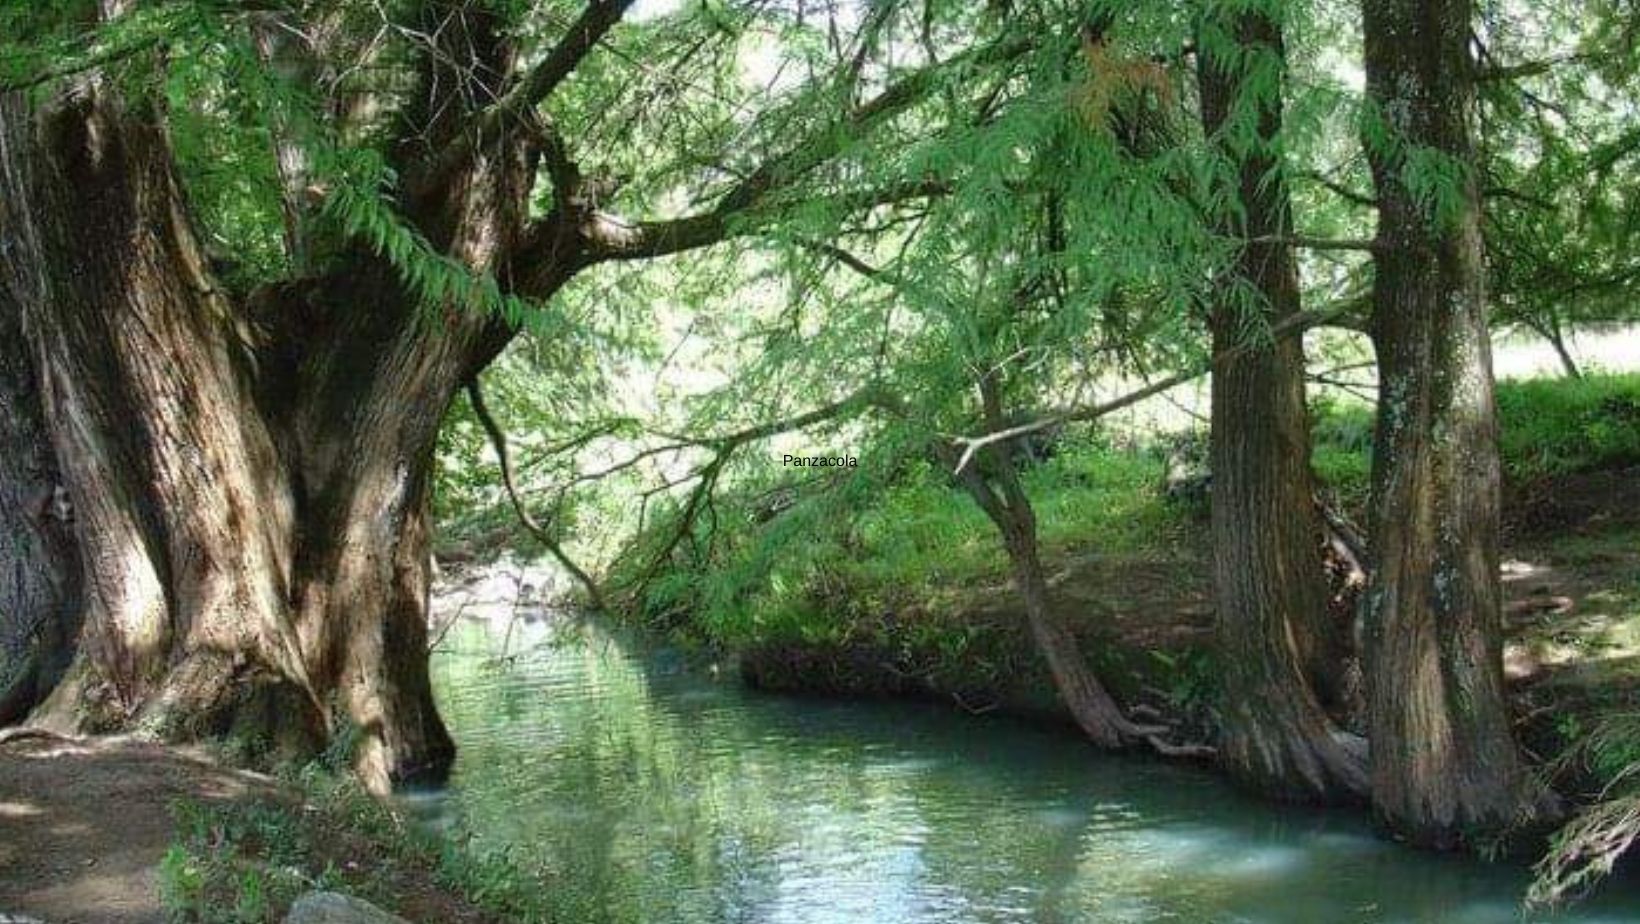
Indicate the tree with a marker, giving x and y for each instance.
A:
(249, 464)
(992, 481)
(1557, 156)
(1445, 766)
(1274, 640)
(39, 602)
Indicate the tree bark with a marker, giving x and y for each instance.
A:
(250, 481)
(39, 561)
(1277, 645)
(178, 497)
(251, 473)
(1445, 767)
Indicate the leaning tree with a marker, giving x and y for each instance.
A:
(249, 463)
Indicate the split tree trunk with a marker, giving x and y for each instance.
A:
(1550, 330)
(1445, 767)
(250, 482)
(1277, 645)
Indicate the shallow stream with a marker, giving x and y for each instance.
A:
(656, 793)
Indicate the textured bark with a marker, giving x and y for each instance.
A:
(1276, 643)
(177, 496)
(1084, 696)
(251, 497)
(1445, 767)
(39, 562)
(251, 475)
(252, 472)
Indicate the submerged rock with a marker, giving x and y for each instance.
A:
(335, 908)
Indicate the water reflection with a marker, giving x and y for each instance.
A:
(666, 796)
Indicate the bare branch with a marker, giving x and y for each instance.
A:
(537, 84)
(498, 439)
(1340, 190)
(1291, 325)
(1306, 242)
(1535, 68)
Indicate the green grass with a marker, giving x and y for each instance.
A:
(1560, 426)
(826, 572)
(245, 862)
(1546, 427)
(815, 575)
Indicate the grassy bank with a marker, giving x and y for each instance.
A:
(898, 586)
(246, 861)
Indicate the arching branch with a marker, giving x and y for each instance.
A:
(1292, 325)
(608, 237)
(498, 439)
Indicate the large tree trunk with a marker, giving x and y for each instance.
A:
(1277, 645)
(181, 507)
(39, 562)
(250, 483)
(1445, 766)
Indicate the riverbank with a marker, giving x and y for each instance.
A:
(898, 587)
(118, 831)
(1571, 616)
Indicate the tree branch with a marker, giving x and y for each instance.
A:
(1340, 190)
(1306, 242)
(537, 84)
(1291, 325)
(609, 237)
(498, 439)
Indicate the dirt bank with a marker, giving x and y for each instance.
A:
(85, 825)
(1571, 615)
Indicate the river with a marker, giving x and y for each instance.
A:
(652, 792)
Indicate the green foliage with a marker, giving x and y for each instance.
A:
(1589, 846)
(1546, 427)
(1558, 426)
(1561, 160)
(866, 545)
(900, 538)
(181, 884)
(245, 862)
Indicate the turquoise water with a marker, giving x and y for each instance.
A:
(652, 793)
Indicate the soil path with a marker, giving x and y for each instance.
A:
(84, 823)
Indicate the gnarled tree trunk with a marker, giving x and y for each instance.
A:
(1276, 644)
(251, 472)
(182, 511)
(1091, 706)
(1445, 767)
(250, 482)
